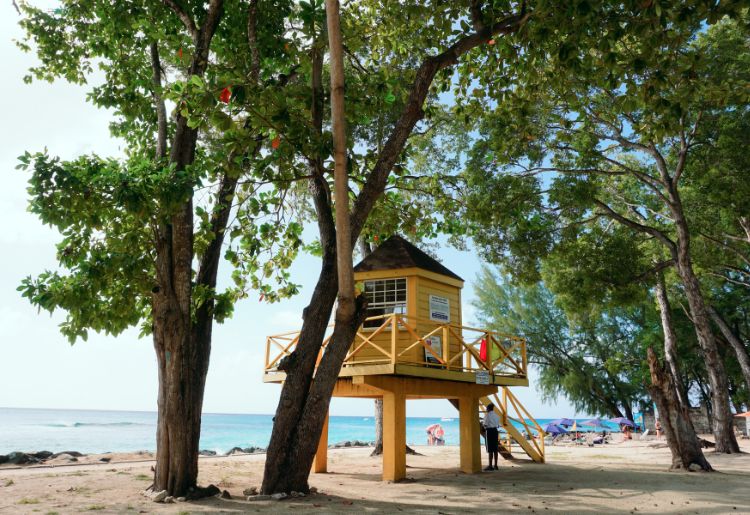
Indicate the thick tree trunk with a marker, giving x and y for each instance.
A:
(182, 339)
(723, 426)
(739, 348)
(299, 366)
(670, 339)
(305, 436)
(678, 428)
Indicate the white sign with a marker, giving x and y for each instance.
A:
(483, 377)
(436, 344)
(440, 309)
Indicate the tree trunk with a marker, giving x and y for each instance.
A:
(182, 345)
(629, 412)
(670, 339)
(378, 450)
(723, 427)
(678, 429)
(305, 435)
(739, 348)
(300, 365)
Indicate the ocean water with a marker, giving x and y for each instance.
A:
(90, 431)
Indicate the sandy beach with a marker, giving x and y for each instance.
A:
(629, 477)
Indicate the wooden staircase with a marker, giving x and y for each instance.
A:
(511, 410)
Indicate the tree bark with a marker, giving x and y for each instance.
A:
(739, 348)
(678, 428)
(723, 426)
(670, 339)
(300, 365)
(182, 345)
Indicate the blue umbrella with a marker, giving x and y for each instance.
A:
(554, 429)
(622, 421)
(595, 422)
(567, 422)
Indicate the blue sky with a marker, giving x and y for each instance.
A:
(40, 369)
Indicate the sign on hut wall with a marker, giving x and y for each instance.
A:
(440, 309)
(436, 344)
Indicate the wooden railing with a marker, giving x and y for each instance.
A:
(505, 355)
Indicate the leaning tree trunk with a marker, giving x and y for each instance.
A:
(739, 348)
(723, 427)
(678, 428)
(670, 339)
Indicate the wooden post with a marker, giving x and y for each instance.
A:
(504, 400)
(394, 338)
(320, 465)
(394, 436)
(446, 346)
(471, 457)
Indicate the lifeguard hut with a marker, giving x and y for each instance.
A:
(413, 345)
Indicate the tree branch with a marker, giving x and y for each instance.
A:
(184, 17)
(252, 40)
(656, 233)
(412, 113)
(161, 110)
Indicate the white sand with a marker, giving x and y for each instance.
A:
(618, 478)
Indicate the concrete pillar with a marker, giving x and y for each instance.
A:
(471, 453)
(394, 436)
(320, 464)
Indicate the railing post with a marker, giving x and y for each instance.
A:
(446, 346)
(523, 357)
(504, 401)
(394, 337)
(268, 353)
(488, 358)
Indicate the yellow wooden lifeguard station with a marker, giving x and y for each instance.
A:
(413, 346)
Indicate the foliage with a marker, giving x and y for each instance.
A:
(596, 361)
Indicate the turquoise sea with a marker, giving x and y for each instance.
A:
(90, 431)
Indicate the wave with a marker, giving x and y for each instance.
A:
(95, 424)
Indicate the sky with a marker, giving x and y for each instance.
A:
(40, 369)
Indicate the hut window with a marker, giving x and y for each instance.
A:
(385, 296)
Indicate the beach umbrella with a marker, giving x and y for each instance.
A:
(622, 421)
(567, 422)
(554, 429)
(594, 422)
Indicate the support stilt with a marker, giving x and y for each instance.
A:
(471, 456)
(394, 436)
(320, 465)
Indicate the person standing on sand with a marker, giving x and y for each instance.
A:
(657, 426)
(491, 422)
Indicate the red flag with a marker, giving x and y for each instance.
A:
(483, 350)
(225, 95)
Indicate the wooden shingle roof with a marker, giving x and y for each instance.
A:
(396, 252)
